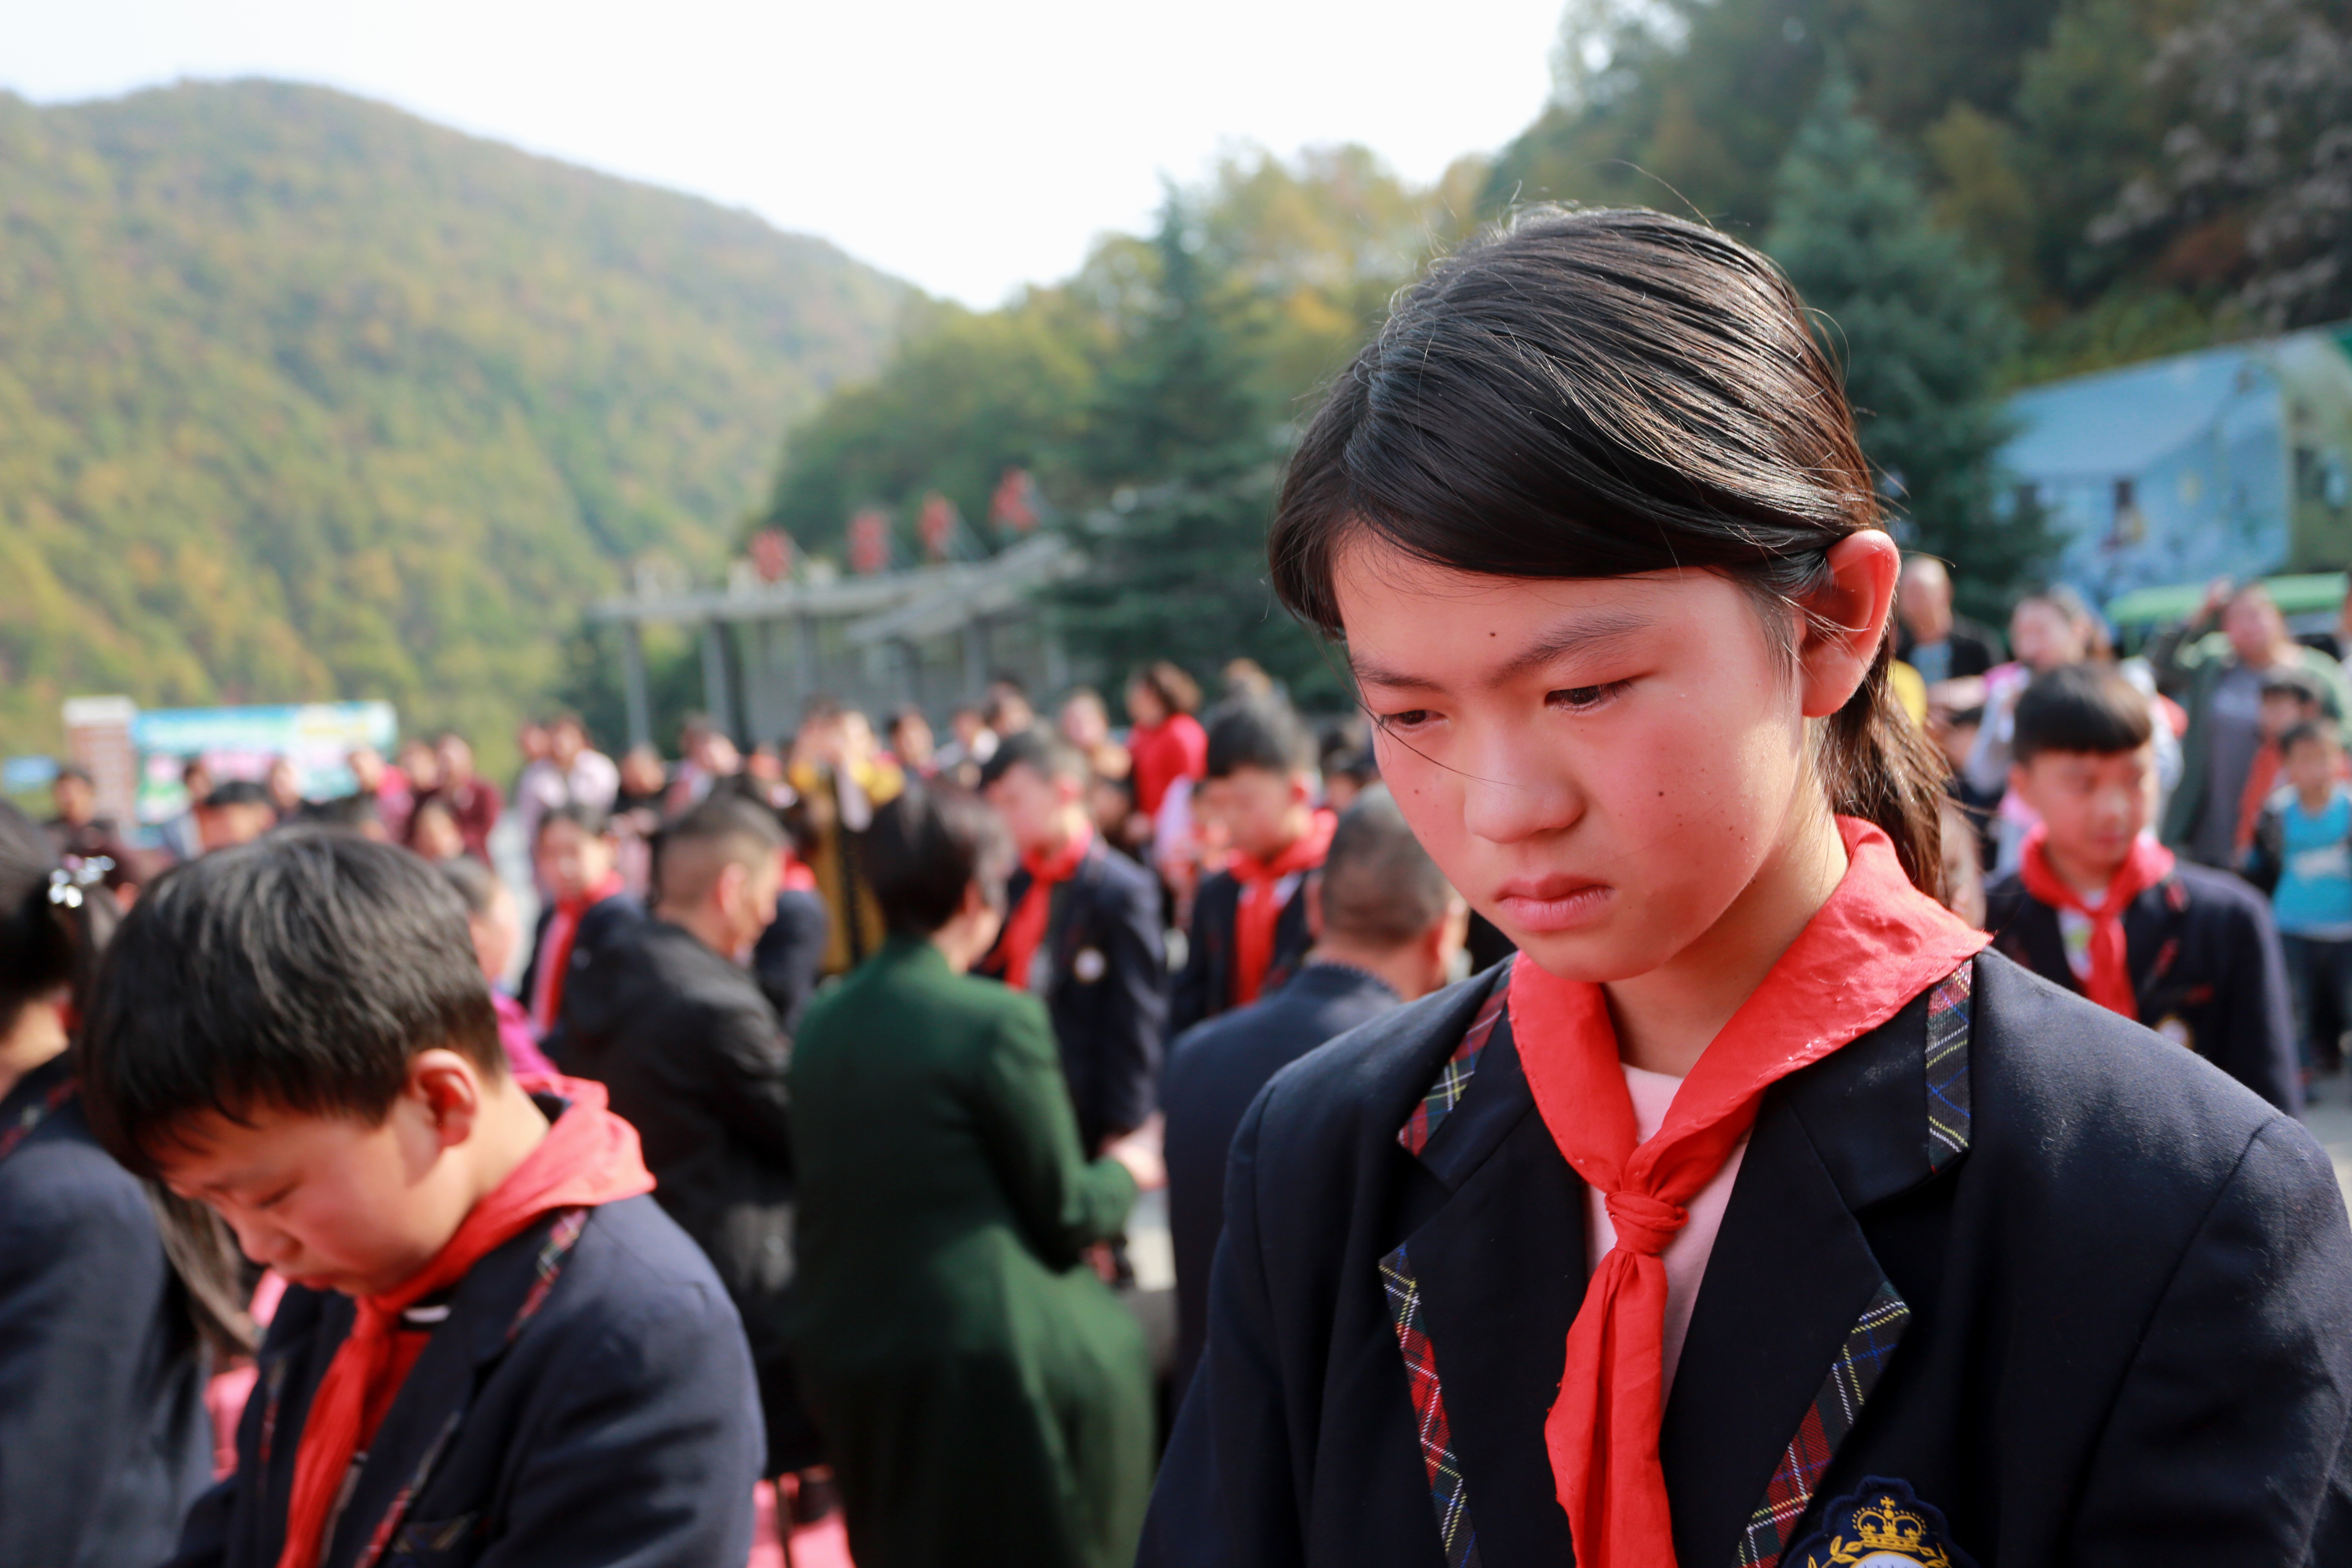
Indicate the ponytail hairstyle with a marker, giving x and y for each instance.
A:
(54, 922)
(1595, 393)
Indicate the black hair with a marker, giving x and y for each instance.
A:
(927, 846)
(54, 922)
(1380, 887)
(2293, 681)
(238, 792)
(2319, 730)
(193, 763)
(743, 831)
(1258, 732)
(1177, 693)
(72, 771)
(302, 970)
(2080, 708)
(589, 819)
(1597, 394)
(474, 882)
(343, 814)
(1041, 752)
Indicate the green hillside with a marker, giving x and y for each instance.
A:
(302, 398)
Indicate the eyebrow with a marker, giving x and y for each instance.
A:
(1588, 635)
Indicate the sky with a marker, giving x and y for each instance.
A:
(968, 148)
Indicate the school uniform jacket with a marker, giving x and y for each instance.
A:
(1106, 984)
(603, 926)
(1205, 986)
(588, 1401)
(2205, 965)
(2087, 1295)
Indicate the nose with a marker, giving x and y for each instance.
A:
(262, 1244)
(1510, 795)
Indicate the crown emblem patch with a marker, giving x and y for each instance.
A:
(1884, 1525)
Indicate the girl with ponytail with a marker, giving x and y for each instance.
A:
(1752, 1213)
(114, 1295)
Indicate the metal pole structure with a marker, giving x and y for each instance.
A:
(633, 685)
(804, 673)
(975, 659)
(716, 697)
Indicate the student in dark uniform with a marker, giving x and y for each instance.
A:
(1083, 932)
(587, 911)
(1249, 924)
(1751, 1214)
(495, 1347)
(2098, 906)
(1387, 930)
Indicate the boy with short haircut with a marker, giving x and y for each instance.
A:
(2098, 906)
(1249, 925)
(1083, 932)
(2302, 855)
(2289, 696)
(495, 1347)
(576, 858)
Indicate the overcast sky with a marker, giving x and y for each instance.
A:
(968, 147)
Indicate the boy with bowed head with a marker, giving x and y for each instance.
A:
(495, 1347)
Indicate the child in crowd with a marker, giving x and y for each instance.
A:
(495, 1347)
(497, 930)
(2289, 696)
(1249, 924)
(1753, 1212)
(2302, 853)
(577, 855)
(1084, 935)
(2098, 906)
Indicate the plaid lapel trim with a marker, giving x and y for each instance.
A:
(1446, 1492)
(1870, 1342)
(1454, 1077)
(1869, 1345)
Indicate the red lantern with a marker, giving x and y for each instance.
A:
(937, 524)
(771, 555)
(869, 542)
(1015, 504)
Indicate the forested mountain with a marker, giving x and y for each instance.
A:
(303, 398)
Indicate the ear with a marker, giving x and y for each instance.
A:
(450, 1087)
(1302, 789)
(1847, 620)
(726, 888)
(2020, 782)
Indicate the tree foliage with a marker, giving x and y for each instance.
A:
(301, 398)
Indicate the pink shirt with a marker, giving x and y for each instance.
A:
(1685, 1256)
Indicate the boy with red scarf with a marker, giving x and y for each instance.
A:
(495, 1345)
(1082, 932)
(2100, 906)
(588, 910)
(1249, 924)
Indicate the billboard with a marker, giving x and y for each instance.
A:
(241, 744)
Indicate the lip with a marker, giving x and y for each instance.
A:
(1553, 904)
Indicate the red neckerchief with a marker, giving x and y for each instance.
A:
(1259, 911)
(589, 1156)
(562, 930)
(2262, 777)
(2149, 863)
(1026, 928)
(1874, 946)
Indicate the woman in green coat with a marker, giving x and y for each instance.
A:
(983, 1396)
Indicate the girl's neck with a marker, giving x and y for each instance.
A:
(1666, 1019)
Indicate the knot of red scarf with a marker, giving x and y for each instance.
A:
(1259, 911)
(589, 1156)
(1874, 946)
(2149, 863)
(1025, 929)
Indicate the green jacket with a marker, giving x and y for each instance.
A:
(983, 1395)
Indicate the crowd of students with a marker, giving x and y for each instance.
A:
(1819, 1145)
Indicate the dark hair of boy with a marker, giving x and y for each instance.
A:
(2293, 682)
(723, 831)
(237, 792)
(304, 971)
(926, 847)
(1262, 732)
(343, 814)
(1177, 693)
(2084, 708)
(1039, 750)
(1379, 888)
(74, 771)
(2310, 732)
(474, 882)
(596, 824)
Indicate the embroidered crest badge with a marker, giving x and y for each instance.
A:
(1884, 1525)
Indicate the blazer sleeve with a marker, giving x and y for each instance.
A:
(646, 1456)
(1188, 1001)
(81, 1274)
(1135, 1018)
(2261, 1027)
(1228, 1488)
(747, 1068)
(2227, 1442)
(1021, 1104)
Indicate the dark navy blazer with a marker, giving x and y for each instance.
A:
(603, 926)
(1105, 974)
(2205, 964)
(608, 1419)
(104, 1437)
(1215, 1070)
(2088, 1296)
(1205, 987)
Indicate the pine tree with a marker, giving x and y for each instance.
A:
(1189, 458)
(1922, 329)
